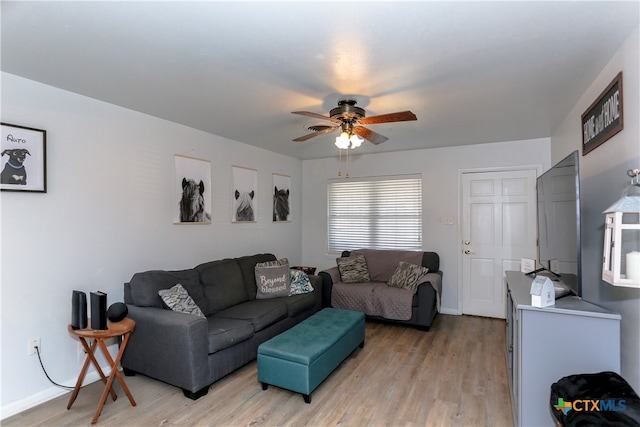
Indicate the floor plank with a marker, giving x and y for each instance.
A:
(453, 375)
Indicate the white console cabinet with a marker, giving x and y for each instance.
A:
(546, 344)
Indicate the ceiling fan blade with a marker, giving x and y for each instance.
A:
(369, 135)
(320, 132)
(402, 116)
(316, 116)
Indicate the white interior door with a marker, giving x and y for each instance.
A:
(498, 228)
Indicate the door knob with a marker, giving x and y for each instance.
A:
(468, 252)
(467, 242)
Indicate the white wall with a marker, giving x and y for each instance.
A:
(107, 214)
(440, 169)
(602, 180)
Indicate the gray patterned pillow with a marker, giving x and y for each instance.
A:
(407, 276)
(178, 299)
(353, 269)
(278, 262)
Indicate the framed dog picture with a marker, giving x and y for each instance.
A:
(23, 158)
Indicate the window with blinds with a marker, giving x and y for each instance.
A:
(375, 213)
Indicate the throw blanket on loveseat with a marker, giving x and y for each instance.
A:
(375, 298)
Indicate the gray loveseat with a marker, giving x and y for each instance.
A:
(379, 301)
(193, 352)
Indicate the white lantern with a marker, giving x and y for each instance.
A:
(621, 259)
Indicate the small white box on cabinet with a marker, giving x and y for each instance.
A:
(542, 292)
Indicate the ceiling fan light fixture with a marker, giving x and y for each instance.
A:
(342, 141)
(356, 140)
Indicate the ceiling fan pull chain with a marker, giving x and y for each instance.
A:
(347, 172)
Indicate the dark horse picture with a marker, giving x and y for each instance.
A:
(244, 206)
(192, 202)
(280, 204)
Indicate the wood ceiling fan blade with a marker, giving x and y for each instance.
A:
(319, 132)
(401, 116)
(316, 116)
(369, 135)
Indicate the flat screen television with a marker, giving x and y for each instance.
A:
(559, 255)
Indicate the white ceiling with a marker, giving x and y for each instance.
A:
(472, 72)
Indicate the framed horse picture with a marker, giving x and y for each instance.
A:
(192, 190)
(24, 159)
(244, 194)
(281, 198)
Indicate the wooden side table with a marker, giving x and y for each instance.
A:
(122, 328)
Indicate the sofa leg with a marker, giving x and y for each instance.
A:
(423, 328)
(128, 372)
(265, 386)
(195, 395)
(307, 398)
(362, 344)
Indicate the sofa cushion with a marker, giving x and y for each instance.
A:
(144, 287)
(248, 265)
(177, 299)
(272, 281)
(224, 332)
(407, 276)
(223, 284)
(262, 313)
(296, 304)
(382, 263)
(353, 269)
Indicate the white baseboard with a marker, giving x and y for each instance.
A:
(449, 311)
(44, 396)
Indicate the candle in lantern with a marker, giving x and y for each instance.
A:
(633, 266)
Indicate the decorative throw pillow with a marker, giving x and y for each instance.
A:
(281, 261)
(407, 276)
(178, 299)
(272, 281)
(353, 269)
(300, 283)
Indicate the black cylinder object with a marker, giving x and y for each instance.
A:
(117, 311)
(78, 310)
(98, 311)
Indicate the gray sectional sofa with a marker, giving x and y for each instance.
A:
(379, 301)
(193, 352)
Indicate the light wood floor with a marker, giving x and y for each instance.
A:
(453, 375)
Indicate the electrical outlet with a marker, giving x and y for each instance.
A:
(32, 344)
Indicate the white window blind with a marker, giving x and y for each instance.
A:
(375, 213)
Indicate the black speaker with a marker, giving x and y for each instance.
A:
(98, 311)
(78, 310)
(117, 311)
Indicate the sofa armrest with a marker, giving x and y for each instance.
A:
(329, 277)
(428, 297)
(169, 346)
(316, 283)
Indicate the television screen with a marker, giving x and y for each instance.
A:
(559, 222)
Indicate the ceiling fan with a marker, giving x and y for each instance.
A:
(349, 118)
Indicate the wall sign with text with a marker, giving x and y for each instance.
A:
(604, 117)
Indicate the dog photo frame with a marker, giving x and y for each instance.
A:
(23, 149)
(281, 198)
(192, 190)
(244, 194)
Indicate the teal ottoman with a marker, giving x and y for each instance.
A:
(300, 358)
